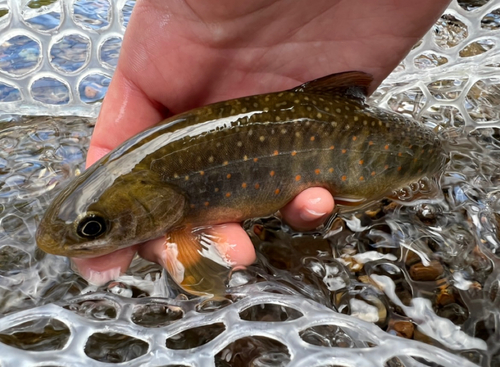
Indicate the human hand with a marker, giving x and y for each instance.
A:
(177, 55)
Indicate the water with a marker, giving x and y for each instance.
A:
(407, 282)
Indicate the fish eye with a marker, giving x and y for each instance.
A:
(92, 225)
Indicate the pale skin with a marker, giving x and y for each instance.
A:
(180, 54)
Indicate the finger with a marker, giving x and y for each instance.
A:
(233, 244)
(309, 209)
(125, 111)
(102, 269)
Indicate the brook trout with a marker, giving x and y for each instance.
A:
(238, 159)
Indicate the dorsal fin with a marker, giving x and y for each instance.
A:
(353, 83)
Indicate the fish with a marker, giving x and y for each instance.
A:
(238, 159)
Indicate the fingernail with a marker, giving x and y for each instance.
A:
(309, 215)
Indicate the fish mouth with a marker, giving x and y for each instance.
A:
(87, 250)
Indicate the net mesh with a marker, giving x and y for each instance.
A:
(405, 283)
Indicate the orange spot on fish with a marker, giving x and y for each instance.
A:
(272, 173)
(332, 147)
(244, 185)
(256, 186)
(228, 194)
(343, 151)
(344, 178)
(361, 178)
(386, 166)
(207, 203)
(294, 153)
(312, 138)
(192, 206)
(276, 152)
(216, 189)
(386, 147)
(370, 142)
(255, 159)
(317, 171)
(399, 168)
(225, 163)
(228, 175)
(373, 173)
(400, 154)
(202, 173)
(361, 161)
(331, 170)
(354, 138)
(277, 191)
(297, 178)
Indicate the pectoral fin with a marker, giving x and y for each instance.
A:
(195, 263)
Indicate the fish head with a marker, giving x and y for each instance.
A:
(99, 212)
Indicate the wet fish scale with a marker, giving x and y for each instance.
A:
(243, 158)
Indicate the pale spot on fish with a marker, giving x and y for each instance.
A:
(262, 138)
(319, 115)
(211, 159)
(239, 144)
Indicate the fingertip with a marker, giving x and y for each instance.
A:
(94, 154)
(309, 209)
(234, 244)
(102, 269)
